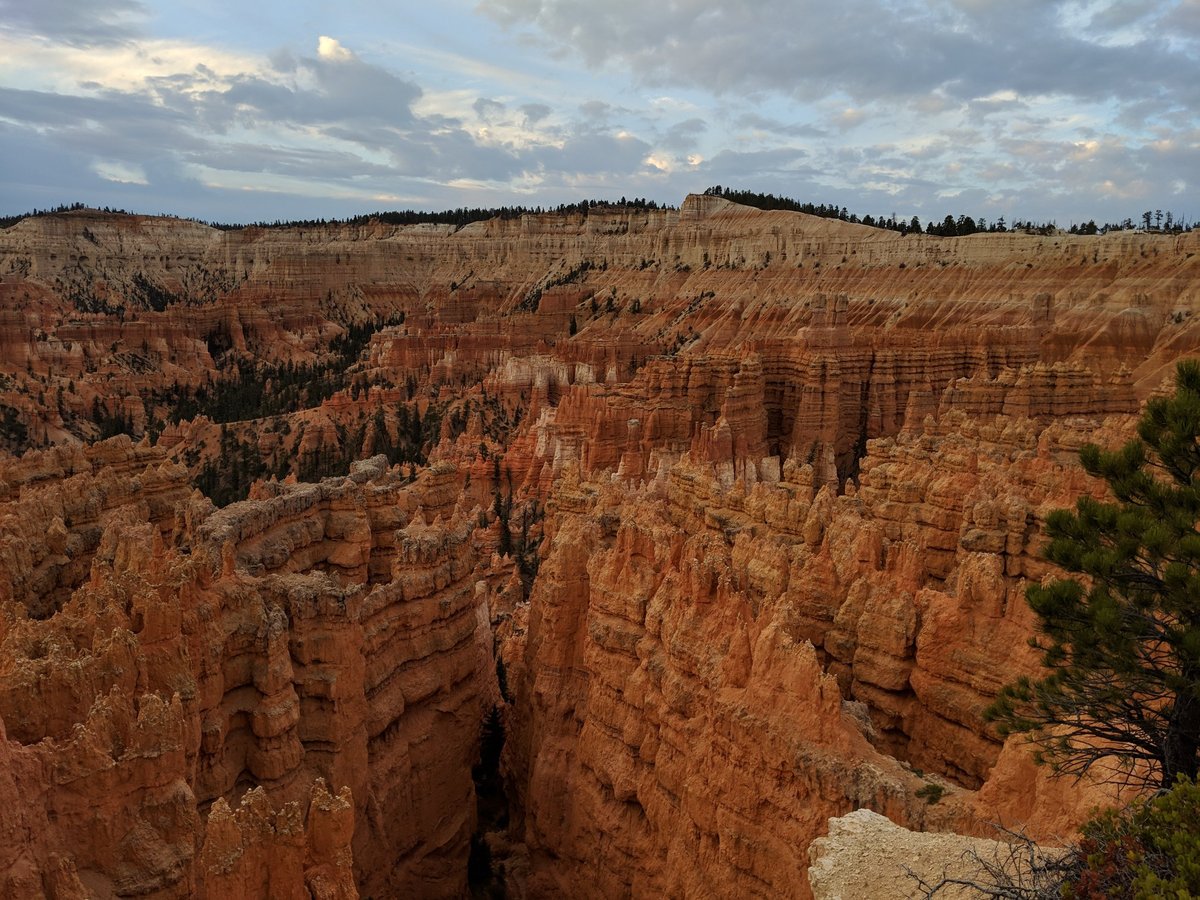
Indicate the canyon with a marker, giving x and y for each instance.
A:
(721, 518)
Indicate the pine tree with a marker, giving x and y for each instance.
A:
(1122, 646)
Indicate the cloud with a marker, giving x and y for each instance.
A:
(535, 112)
(849, 118)
(775, 126)
(120, 172)
(785, 162)
(330, 49)
(112, 125)
(684, 135)
(1074, 107)
(1000, 103)
(333, 87)
(865, 49)
(296, 162)
(77, 22)
(591, 153)
(330, 126)
(312, 121)
(1183, 21)
(488, 110)
(596, 110)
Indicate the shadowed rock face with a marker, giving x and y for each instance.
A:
(773, 485)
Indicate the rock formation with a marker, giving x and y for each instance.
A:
(867, 857)
(740, 505)
(184, 704)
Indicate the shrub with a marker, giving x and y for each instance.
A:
(1149, 850)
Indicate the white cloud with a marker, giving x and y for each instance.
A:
(660, 162)
(330, 49)
(120, 172)
(871, 49)
(34, 63)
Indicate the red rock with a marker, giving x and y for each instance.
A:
(324, 632)
(794, 472)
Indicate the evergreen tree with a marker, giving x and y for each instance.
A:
(1122, 646)
(503, 508)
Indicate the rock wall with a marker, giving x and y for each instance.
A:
(182, 710)
(710, 670)
(120, 309)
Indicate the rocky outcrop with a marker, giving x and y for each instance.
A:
(258, 851)
(867, 857)
(667, 738)
(189, 700)
(659, 608)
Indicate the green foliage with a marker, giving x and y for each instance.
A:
(502, 508)
(257, 391)
(13, 432)
(228, 477)
(526, 548)
(951, 227)
(1122, 646)
(931, 791)
(1150, 850)
(404, 436)
(948, 227)
(110, 424)
(484, 879)
(147, 294)
(1147, 851)
(826, 211)
(531, 301)
(414, 434)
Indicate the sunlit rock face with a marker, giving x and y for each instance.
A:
(773, 488)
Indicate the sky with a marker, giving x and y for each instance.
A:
(1044, 110)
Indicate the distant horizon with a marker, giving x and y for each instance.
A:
(1067, 111)
(532, 207)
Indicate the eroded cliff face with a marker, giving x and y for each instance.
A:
(711, 669)
(117, 315)
(746, 501)
(173, 720)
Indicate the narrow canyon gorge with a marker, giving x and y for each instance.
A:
(600, 555)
